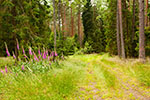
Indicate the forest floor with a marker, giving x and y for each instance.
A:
(83, 77)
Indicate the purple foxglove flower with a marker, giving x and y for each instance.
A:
(30, 51)
(6, 69)
(52, 54)
(22, 67)
(48, 57)
(39, 57)
(14, 56)
(25, 56)
(17, 44)
(2, 71)
(56, 54)
(44, 55)
(23, 51)
(8, 54)
(35, 57)
(39, 52)
(46, 52)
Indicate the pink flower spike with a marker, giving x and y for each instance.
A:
(46, 52)
(25, 56)
(2, 71)
(35, 57)
(44, 55)
(22, 67)
(17, 44)
(56, 54)
(23, 51)
(14, 56)
(39, 52)
(30, 51)
(6, 69)
(8, 54)
(48, 57)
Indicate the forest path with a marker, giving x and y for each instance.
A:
(108, 78)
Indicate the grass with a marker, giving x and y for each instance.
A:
(79, 77)
(59, 83)
(6, 61)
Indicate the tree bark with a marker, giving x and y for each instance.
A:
(133, 21)
(59, 21)
(54, 19)
(72, 24)
(118, 32)
(79, 26)
(141, 31)
(121, 30)
(146, 14)
(133, 29)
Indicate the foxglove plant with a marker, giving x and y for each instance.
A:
(8, 54)
(6, 69)
(2, 71)
(30, 51)
(14, 56)
(17, 44)
(23, 51)
(22, 67)
(35, 57)
(44, 55)
(56, 54)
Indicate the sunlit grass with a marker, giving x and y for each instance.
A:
(78, 77)
(59, 83)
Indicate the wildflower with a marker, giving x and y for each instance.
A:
(30, 51)
(8, 54)
(17, 44)
(56, 54)
(22, 67)
(52, 54)
(35, 57)
(2, 71)
(46, 52)
(25, 56)
(14, 56)
(44, 55)
(48, 57)
(50, 63)
(39, 52)
(6, 69)
(23, 50)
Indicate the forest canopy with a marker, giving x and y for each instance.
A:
(79, 24)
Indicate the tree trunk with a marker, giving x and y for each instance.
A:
(54, 19)
(59, 21)
(121, 30)
(146, 14)
(62, 18)
(118, 34)
(72, 24)
(133, 21)
(65, 25)
(141, 31)
(79, 26)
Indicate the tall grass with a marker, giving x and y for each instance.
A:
(142, 73)
(59, 83)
